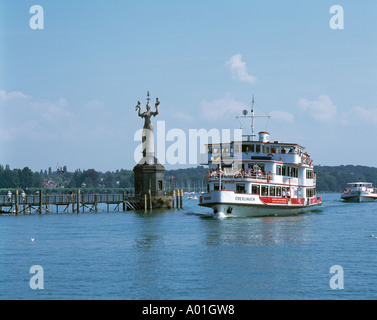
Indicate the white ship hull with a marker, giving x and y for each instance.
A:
(356, 196)
(359, 192)
(229, 203)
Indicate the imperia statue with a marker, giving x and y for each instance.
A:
(148, 138)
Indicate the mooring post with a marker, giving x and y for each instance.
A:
(177, 199)
(124, 200)
(78, 200)
(150, 199)
(96, 202)
(40, 201)
(25, 201)
(47, 204)
(145, 202)
(180, 200)
(17, 207)
(173, 198)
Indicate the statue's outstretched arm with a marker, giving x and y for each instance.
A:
(156, 106)
(138, 107)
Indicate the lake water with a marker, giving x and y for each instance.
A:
(181, 254)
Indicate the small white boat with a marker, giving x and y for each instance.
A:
(192, 197)
(359, 192)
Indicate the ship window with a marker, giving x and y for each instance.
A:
(309, 174)
(274, 149)
(255, 189)
(278, 191)
(289, 171)
(310, 192)
(264, 191)
(247, 148)
(240, 188)
(257, 148)
(160, 185)
(278, 170)
(216, 186)
(272, 191)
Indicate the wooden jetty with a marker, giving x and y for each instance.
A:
(75, 202)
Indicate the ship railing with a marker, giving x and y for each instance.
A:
(241, 174)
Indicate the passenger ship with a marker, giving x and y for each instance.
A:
(259, 177)
(359, 192)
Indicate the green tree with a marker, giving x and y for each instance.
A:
(26, 178)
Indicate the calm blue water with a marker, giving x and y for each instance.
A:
(179, 254)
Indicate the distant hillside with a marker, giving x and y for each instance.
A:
(335, 178)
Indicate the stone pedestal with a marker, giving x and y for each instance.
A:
(149, 177)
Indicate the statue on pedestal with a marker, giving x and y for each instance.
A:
(149, 174)
(147, 135)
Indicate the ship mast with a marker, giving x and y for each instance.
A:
(252, 119)
(252, 116)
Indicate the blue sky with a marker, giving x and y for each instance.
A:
(68, 92)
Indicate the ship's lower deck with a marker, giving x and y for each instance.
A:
(229, 203)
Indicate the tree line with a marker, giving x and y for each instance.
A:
(329, 178)
(335, 178)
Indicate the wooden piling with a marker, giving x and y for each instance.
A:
(173, 198)
(40, 201)
(145, 202)
(17, 206)
(124, 200)
(177, 199)
(150, 200)
(47, 210)
(25, 206)
(78, 201)
(96, 202)
(180, 200)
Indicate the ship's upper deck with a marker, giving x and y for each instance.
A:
(254, 151)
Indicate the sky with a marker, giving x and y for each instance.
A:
(70, 81)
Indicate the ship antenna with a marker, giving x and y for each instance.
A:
(252, 116)
(252, 120)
